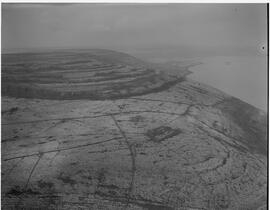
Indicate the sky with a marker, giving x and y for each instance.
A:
(215, 28)
(153, 32)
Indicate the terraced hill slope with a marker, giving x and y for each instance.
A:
(184, 146)
(92, 74)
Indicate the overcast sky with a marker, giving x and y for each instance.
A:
(134, 26)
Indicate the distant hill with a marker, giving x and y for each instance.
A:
(83, 74)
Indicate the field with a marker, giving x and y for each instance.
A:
(103, 130)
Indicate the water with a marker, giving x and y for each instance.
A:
(244, 77)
